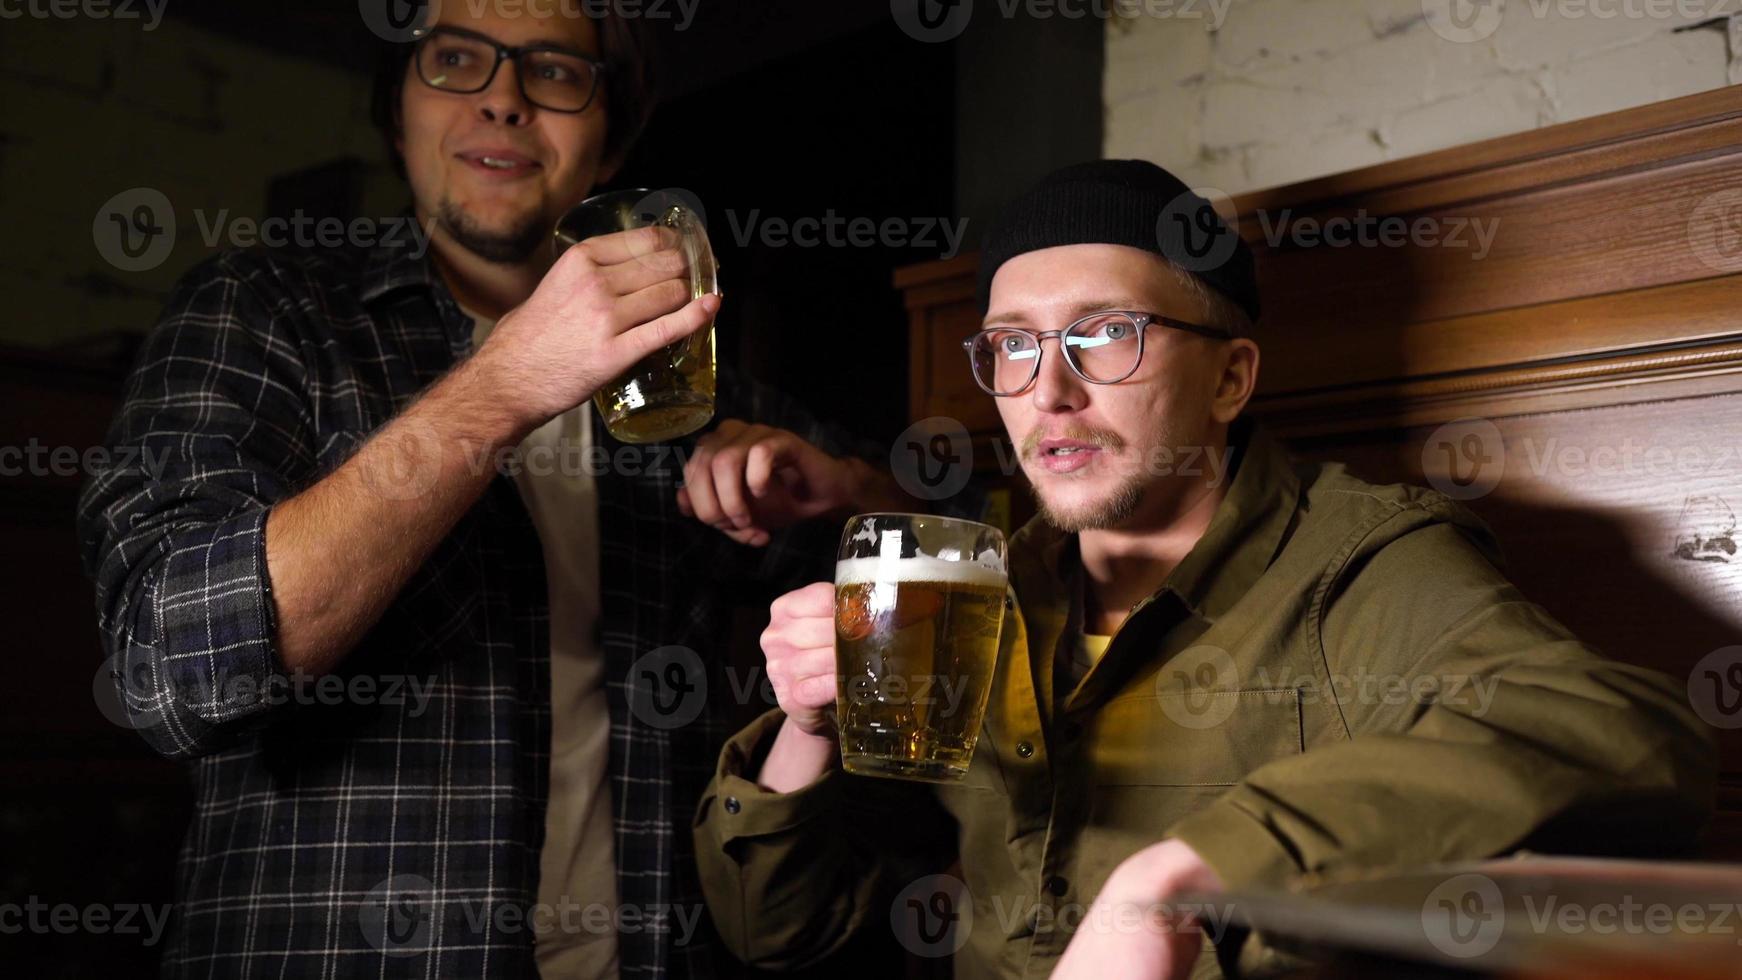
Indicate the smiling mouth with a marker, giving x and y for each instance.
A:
(508, 164)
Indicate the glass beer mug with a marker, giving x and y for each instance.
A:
(919, 603)
(669, 393)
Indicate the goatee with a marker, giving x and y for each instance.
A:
(510, 247)
(1115, 509)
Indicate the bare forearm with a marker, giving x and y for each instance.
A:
(339, 552)
(795, 760)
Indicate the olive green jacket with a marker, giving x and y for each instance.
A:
(1336, 677)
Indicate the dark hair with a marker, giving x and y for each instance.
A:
(627, 88)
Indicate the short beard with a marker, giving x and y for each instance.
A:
(512, 247)
(1113, 510)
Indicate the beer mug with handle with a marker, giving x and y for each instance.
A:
(919, 603)
(669, 393)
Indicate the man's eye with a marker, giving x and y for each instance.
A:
(453, 58)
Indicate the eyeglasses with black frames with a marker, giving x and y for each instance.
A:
(453, 59)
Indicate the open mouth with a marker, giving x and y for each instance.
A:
(1066, 455)
(500, 162)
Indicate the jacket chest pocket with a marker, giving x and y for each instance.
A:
(1155, 758)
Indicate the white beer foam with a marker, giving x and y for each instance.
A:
(984, 571)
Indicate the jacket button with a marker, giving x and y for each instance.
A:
(732, 804)
(1024, 749)
(1057, 886)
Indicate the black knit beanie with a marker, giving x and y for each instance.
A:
(1123, 202)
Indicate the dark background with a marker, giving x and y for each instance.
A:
(789, 108)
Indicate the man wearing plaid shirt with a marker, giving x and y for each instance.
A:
(437, 652)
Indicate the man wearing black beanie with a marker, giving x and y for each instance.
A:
(1220, 668)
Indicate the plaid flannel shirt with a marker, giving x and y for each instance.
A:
(359, 832)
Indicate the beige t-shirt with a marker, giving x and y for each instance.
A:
(578, 865)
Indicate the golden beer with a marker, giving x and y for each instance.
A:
(916, 643)
(669, 393)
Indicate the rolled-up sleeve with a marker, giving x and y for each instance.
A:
(791, 877)
(212, 430)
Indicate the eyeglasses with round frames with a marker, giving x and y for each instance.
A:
(1102, 348)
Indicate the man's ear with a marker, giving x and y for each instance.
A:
(1237, 380)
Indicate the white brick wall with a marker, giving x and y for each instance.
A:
(1242, 94)
(95, 107)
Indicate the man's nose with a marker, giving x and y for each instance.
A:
(1056, 387)
(502, 101)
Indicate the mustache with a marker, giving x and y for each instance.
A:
(1099, 438)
